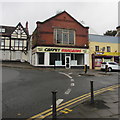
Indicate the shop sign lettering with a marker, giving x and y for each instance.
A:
(65, 50)
(70, 50)
(51, 50)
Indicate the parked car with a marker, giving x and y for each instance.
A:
(111, 66)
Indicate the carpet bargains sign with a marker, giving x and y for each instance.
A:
(60, 50)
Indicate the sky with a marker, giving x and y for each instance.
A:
(99, 16)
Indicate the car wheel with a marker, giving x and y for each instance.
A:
(109, 69)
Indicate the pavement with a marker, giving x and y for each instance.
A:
(106, 105)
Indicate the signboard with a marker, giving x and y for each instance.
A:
(58, 63)
(73, 62)
(98, 62)
(60, 50)
(108, 53)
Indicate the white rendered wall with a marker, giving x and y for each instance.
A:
(46, 59)
(86, 59)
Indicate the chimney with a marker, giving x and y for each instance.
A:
(27, 27)
(38, 23)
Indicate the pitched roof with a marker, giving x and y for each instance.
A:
(104, 39)
(118, 27)
(60, 14)
(10, 29)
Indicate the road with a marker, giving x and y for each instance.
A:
(27, 92)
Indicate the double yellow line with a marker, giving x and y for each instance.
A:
(71, 102)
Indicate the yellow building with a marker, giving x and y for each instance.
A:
(103, 49)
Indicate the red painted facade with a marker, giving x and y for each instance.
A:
(44, 32)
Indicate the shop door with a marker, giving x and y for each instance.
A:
(67, 62)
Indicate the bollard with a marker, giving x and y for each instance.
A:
(85, 69)
(54, 113)
(54, 65)
(92, 93)
(106, 68)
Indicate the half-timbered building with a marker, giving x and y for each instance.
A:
(14, 42)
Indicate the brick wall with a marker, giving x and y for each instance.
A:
(44, 33)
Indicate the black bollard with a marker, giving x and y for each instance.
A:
(106, 68)
(54, 113)
(92, 92)
(85, 69)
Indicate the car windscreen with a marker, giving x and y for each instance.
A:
(113, 63)
(104, 63)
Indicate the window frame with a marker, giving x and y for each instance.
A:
(63, 32)
(97, 48)
(108, 49)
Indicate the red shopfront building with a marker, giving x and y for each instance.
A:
(60, 41)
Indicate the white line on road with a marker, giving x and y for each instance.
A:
(72, 84)
(66, 75)
(72, 80)
(58, 102)
(68, 91)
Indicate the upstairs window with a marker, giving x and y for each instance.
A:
(96, 48)
(108, 49)
(2, 30)
(2, 43)
(16, 43)
(20, 43)
(64, 36)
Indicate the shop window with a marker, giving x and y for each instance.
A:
(64, 36)
(54, 57)
(63, 58)
(108, 49)
(96, 48)
(72, 56)
(80, 59)
(40, 58)
(98, 62)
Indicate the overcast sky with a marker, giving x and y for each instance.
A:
(99, 16)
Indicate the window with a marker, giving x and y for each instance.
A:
(20, 43)
(2, 44)
(16, 42)
(64, 36)
(108, 48)
(54, 57)
(96, 48)
(113, 63)
(2, 30)
(40, 58)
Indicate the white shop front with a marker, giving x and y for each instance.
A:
(59, 57)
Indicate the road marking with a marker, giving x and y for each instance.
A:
(69, 73)
(72, 80)
(71, 102)
(62, 111)
(66, 75)
(72, 84)
(58, 102)
(18, 114)
(68, 109)
(68, 91)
